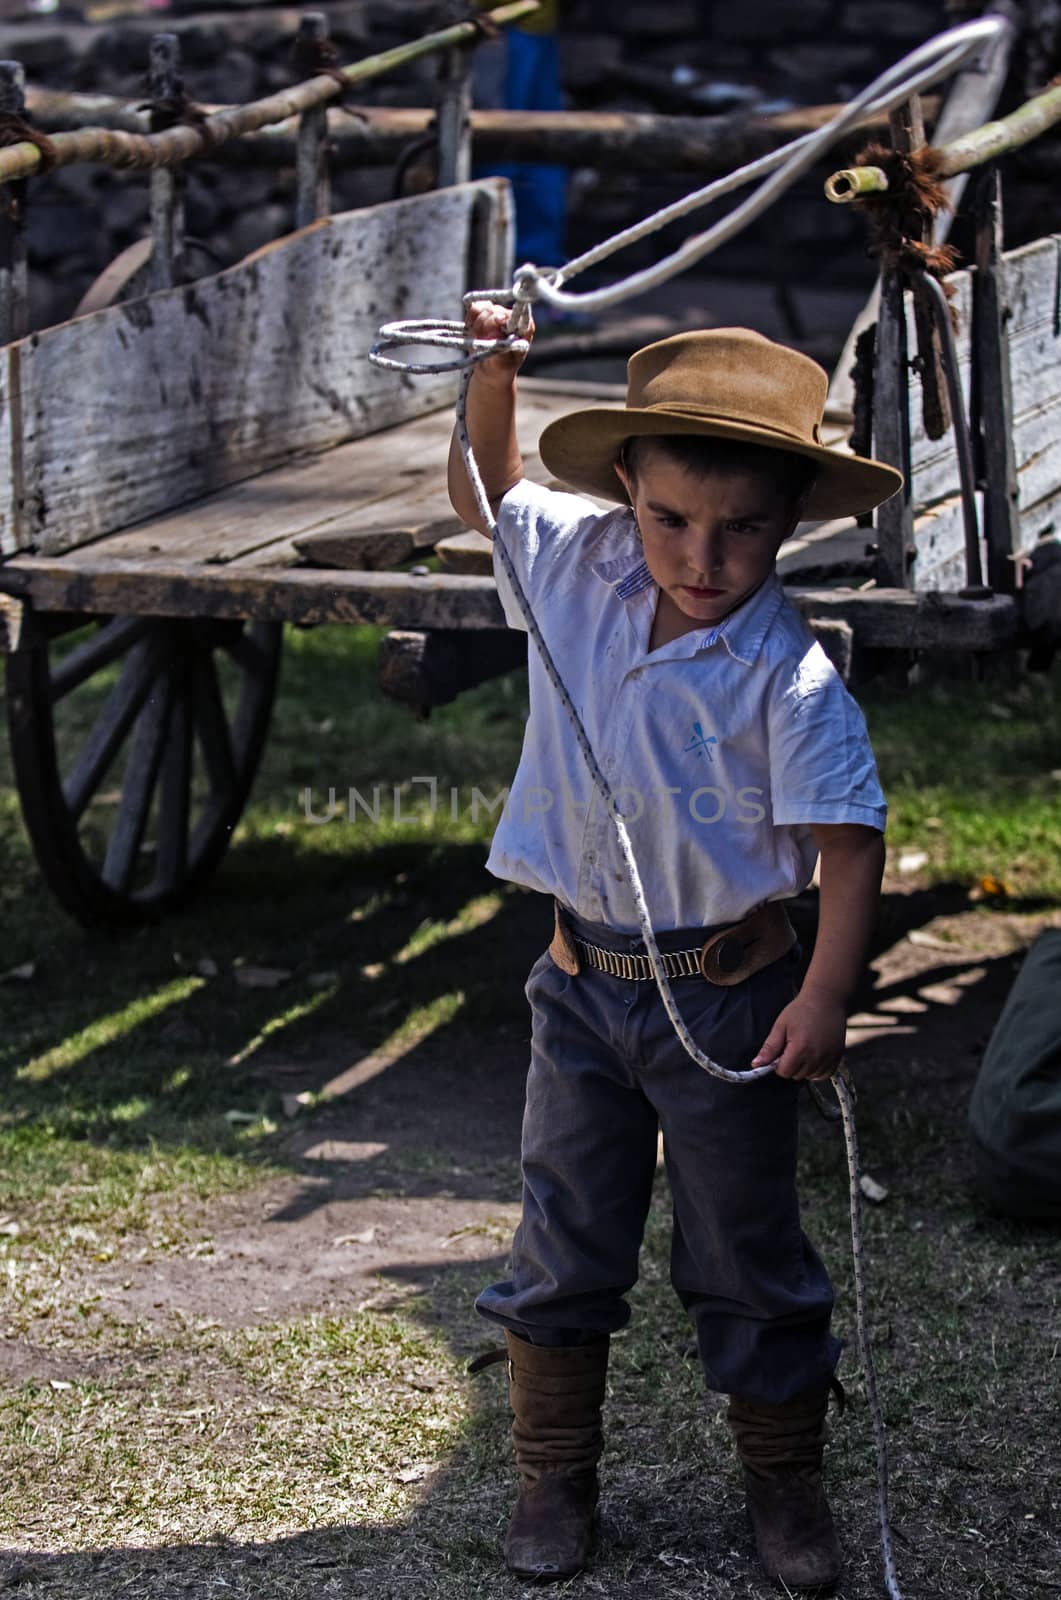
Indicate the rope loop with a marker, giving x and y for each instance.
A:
(439, 336)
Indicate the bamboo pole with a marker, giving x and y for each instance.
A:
(973, 149)
(121, 149)
(641, 141)
(853, 182)
(994, 139)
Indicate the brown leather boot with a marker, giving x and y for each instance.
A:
(780, 1447)
(556, 1397)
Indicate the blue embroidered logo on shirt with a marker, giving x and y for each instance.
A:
(700, 744)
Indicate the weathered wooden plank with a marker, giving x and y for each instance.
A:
(297, 594)
(12, 616)
(993, 388)
(891, 432)
(1037, 447)
(939, 539)
(14, 281)
(466, 552)
(294, 499)
(312, 178)
(1030, 282)
(166, 264)
(390, 482)
(837, 639)
(398, 600)
(823, 549)
(358, 552)
(273, 364)
(885, 618)
(1040, 520)
(422, 669)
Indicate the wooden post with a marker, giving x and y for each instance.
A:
(454, 115)
(167, 183)
(908, 134)
(313, 184)
(891, 396)
(992, 388)
(14, 279)
(891, 434)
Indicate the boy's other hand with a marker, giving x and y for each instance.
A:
(807, 1039)
(485, 319)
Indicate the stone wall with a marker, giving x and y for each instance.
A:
(681, 56)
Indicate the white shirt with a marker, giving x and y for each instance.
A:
(721, 747)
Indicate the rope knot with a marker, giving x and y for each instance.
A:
(314, 55)
(913, 199)
(319, 58)
(16, 130)
(173, 110)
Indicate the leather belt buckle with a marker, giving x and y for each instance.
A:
(563, 948)
(736, 953)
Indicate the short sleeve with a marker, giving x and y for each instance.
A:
(542, 530)
(822, 767)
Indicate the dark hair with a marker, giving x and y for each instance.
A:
(702, 454)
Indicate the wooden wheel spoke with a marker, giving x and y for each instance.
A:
(248, 654)
(126, 700)
(175, 794)
(185, 748)
(212, 724)
(110, 642)
(141, 775)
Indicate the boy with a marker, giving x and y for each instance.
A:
(738, 758)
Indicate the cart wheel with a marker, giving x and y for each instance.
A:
(135, 742)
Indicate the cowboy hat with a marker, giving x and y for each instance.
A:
(726, 383)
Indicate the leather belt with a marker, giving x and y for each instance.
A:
(729, 956)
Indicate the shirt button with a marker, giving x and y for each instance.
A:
(591, 857)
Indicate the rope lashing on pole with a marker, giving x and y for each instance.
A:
(900, 217)
(927, 65)
(16, 130)
(987, 143)
(183, 142)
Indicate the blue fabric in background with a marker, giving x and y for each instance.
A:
(531, 82)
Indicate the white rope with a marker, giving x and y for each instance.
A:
(931, 62)
(845, 1096)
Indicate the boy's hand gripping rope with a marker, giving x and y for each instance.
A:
(930, 63)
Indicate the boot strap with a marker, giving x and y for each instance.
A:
(489, 1358)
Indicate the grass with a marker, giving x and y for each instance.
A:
(335, 1449)
(973, 778)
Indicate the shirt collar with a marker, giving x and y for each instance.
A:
(742, 632)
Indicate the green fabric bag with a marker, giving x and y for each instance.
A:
(1015, 1113)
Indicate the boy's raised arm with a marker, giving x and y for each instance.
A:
(491, 421)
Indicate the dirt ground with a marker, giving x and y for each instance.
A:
(400, 1200)
(414, 1167)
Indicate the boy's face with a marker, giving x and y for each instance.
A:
(709, 540)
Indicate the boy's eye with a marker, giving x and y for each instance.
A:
(666, 521)
(742, 527)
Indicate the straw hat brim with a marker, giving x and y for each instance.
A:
(581, 450)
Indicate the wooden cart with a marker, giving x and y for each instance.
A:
(172, 461)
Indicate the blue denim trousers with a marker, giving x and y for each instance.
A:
(607, 1072)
